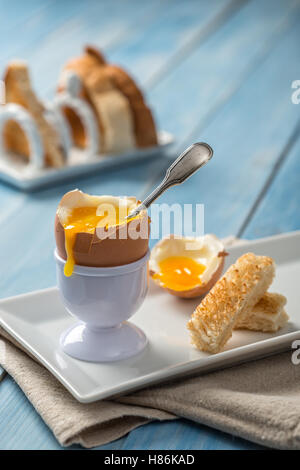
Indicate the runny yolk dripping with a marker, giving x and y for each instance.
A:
(179, 273)
(83, 219)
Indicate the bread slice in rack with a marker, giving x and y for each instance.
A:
(18, 90)
(144, 127)
(267, 315)
(231, 298)
(124, 120)
(115, 115)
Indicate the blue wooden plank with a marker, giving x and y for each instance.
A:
(100, 23)
(183, 435)
(208, 77)
(45, 20)
(178, 30)
(15, 13)
(107, 32)
(21, 428)
(278, 211)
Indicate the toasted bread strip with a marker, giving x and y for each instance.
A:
(231, 298)
(267, 315)
(18, 90)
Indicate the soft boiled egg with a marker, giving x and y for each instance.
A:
(93, 230)
(187, 267)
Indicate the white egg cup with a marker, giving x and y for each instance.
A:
(103, 299)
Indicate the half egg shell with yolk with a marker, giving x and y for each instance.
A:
(87, 233)
(187, 267)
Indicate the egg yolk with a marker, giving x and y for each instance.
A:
(84, 219)
(179, 273)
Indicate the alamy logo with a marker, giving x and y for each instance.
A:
(185, 220)
(296, 94)
(296, 353)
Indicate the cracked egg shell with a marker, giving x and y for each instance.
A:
(88, 248)
(187, 267)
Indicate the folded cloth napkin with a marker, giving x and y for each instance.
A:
(259, 401)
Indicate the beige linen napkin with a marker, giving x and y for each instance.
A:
(259, 401)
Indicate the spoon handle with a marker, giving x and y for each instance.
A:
(193, 158)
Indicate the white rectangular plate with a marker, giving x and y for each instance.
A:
(14, 171)
(37, 319)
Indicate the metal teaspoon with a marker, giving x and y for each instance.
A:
(188, 162)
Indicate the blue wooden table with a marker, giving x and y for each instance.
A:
(218, 71)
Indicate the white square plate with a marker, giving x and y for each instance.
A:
(37, 319)
(14, 171)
